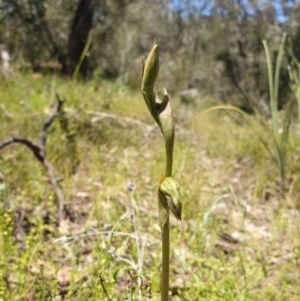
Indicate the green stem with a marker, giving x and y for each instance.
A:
(169, 144)
(169, 156)
(165, 262)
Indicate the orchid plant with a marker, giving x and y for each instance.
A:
(168, 190)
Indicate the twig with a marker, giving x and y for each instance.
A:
(38, 150)
(96, 233)
(56, 109)
(131, 263)
(121, 118)
(104, 288)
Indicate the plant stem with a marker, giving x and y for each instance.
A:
(162, 114)
(165, 262)
(165, 236)
(169, 144)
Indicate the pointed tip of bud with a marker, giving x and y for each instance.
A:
(150, 72)
(162, 177)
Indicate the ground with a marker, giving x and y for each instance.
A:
(240, 238)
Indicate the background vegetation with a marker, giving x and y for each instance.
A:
(201, 42)
(241, 220)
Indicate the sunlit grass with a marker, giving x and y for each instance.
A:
(228, 182)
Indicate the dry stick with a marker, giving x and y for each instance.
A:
(38, 150)
(121, 118)
(104, 288)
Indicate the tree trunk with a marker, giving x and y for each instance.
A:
(81, 27)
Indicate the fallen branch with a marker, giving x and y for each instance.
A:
(38, 150)
(147, 127)
(103, 115)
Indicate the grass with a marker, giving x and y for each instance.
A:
(241, 234)
(279, 144)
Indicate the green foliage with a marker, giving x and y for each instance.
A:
(294, 73)
(122, 30)
(279, 141)
(274, 141)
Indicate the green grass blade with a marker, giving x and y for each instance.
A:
(83, 54)
(271, 89)
(277, 69)
(258, 128)
(286, 127)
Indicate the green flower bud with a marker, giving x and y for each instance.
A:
(170, 190)
(150, 72)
